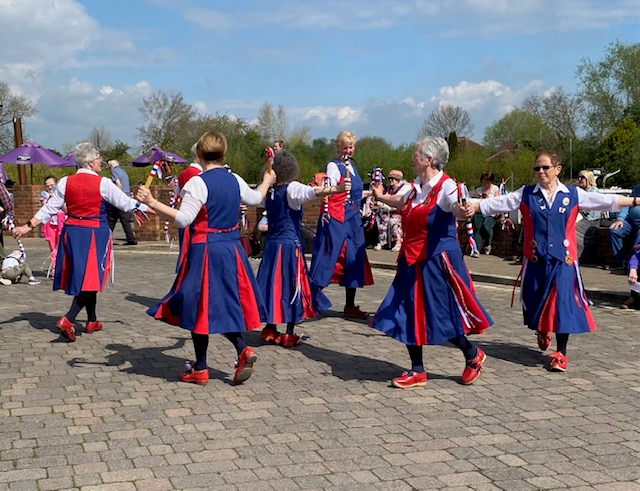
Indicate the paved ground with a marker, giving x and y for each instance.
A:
(108, 413)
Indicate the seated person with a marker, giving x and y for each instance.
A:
(627, 222)
(483, 226)
(14, 267)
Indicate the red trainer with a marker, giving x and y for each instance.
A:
(200, 377)
(410, 379)
(474, 368)
(244, 365)
(558, 362)
(269, 334)
(67, 328)
(289, 340)
(93, 326)
(544, 340)
(355, 313)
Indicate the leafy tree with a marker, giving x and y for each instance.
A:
(526, 129)
(621, 150)
(164, 118)
(117, 151)
(610, 88)
(11, 106)
(444, 119)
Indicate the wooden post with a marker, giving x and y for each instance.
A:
(17, 138)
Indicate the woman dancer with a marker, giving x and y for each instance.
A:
(339, 254)
(84, 250)
(432, 299)
(552, 294)
(215, 291)
(282, 276)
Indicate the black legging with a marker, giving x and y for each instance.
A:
(86, 300)
(201, 344)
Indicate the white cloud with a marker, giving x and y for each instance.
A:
(67, 114)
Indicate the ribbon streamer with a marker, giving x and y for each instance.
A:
(463, 195)
(10, 226)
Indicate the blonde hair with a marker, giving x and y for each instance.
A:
(212, 147)
(345, 138)
(591, 178)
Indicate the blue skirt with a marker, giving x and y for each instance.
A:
(431, 302)
(553, 297)
(285, 287)
(83, 261)
(215, 291)
(339, 254)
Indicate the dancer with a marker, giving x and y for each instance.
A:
(282, 276)
(84, 250)
(339, 254)
(215, 291)
(552, 294)
(431, 299)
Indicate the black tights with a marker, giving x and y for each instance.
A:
(86, 300)
(562, 340)
(290, 327)
(201, 344)
(350, 297)
(461, 342)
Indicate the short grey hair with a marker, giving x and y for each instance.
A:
(194, 152)
(435, 147)
(85, 153)
(113, 163)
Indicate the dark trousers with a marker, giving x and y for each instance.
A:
(114, 214)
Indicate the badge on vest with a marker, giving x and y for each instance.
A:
(562, 209)
(566, 201)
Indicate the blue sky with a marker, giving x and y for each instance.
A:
(377, 67)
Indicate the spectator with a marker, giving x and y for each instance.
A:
(121, 179)
(588, 221)
(278, 145)
(52, 228)
(483, 226)
(390, 218)
(626, 223)
(634, 300)
(6, 207)
(14, 267)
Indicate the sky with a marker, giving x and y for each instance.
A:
(375, 67)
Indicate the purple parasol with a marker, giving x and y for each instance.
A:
(155, 154)
(68, 160)
(32, 153)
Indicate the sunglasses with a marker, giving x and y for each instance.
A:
(394, 179)
(582, 177)
(542, 167)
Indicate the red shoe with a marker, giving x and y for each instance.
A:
(244, 365)
(289, 340)
(67, 328)
(474, 368)
(544, 340)
(200, 377)
(93, 326)
(269, 334)
(354, 313)
(410, 379)
(558, 362)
